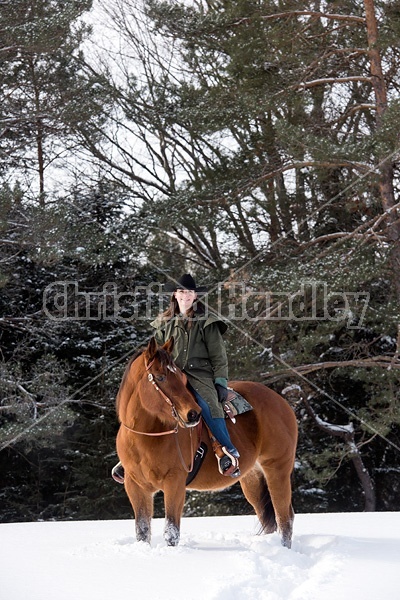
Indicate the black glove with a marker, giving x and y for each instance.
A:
(222, 392)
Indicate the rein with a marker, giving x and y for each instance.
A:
(150, 377)
(175, 430)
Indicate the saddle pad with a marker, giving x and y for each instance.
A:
(235, 404)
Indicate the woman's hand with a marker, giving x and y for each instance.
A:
(222, 392)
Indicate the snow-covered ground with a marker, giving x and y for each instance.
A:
(351, 556)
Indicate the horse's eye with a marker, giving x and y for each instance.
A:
(160, 377)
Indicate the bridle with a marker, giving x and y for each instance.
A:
(175, 414)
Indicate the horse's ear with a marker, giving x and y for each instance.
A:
(169, 345)
(152, 348)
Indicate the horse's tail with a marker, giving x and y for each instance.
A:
(255, 488)
(267, 517)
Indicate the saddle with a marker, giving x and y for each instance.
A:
(234, 405)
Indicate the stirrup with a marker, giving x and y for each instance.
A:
(228, 464)
(118, 473)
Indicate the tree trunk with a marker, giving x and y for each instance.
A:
(365, 480)
(347, 434)
(39, 133)
(385, 163)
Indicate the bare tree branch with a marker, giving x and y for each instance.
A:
(347, 434)
(383, 362)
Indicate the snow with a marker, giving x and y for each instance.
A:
(349, 556)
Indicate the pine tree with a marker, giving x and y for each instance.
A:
(292, 129)
(41, 88)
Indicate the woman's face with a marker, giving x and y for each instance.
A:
(185, 299)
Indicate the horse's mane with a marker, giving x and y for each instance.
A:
(122, 385)
(162, 356)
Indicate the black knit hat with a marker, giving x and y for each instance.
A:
(186, 282)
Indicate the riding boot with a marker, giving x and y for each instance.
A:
(227, 455)
(228, 463)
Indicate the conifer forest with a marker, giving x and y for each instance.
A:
(252, 143)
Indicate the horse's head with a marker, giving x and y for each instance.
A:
(166, 391)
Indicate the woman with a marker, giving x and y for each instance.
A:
(199, 351)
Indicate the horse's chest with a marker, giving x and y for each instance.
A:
(149, 471)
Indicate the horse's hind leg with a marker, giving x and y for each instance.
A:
(142, 504)
(279, 485)
(256, 491)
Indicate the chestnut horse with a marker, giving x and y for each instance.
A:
(159, 434)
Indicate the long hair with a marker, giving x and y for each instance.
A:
(197, 309)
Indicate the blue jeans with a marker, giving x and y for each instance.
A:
(217, 425)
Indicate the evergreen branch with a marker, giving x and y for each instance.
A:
(306, 13)
(362, 167)
(344, 234)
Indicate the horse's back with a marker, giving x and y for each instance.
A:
(258, 395)
(275, 417)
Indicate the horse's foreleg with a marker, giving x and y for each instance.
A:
(142, 504)
(174, 499)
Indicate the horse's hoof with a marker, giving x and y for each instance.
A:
(286, 537)
(171, 534)
(143, 531)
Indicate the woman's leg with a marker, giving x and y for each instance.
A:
(217, 425)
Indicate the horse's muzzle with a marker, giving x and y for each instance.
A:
(193, 418)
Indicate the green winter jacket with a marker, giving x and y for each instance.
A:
(200, 352)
